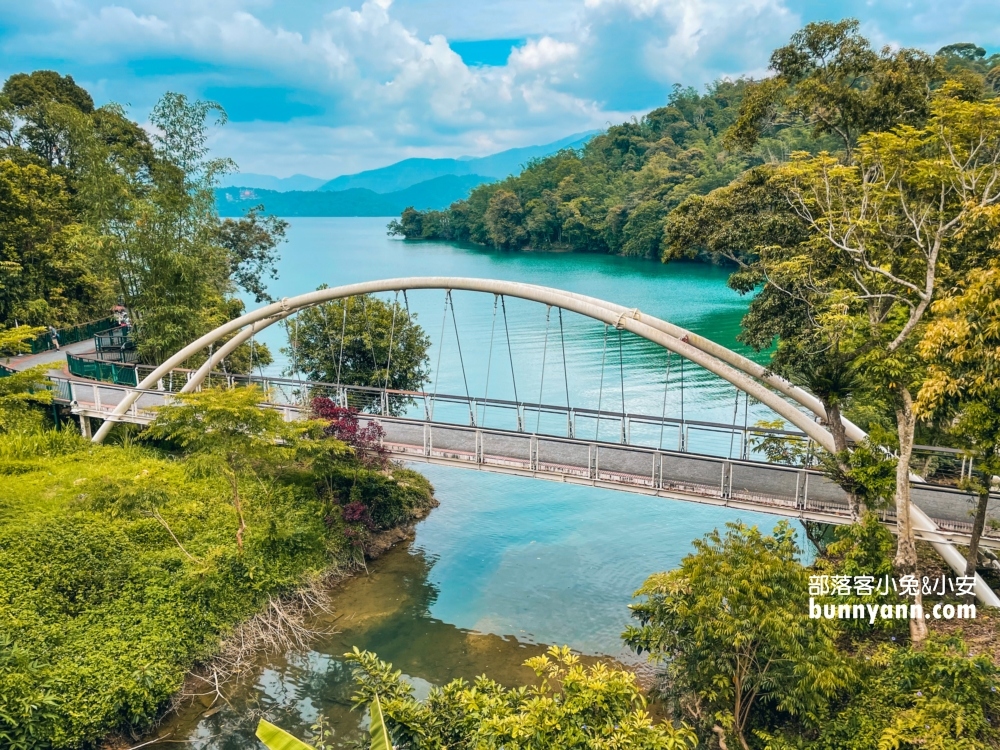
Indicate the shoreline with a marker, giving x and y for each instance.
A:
(284, 629)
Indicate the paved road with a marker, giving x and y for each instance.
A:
(56, 358)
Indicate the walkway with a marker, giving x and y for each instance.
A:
(714, 480)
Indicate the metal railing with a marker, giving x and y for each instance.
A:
(70, 335)
(742, 482)
(108, 372)
(935, 464)
(116, 345)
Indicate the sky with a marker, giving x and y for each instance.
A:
(330, 87)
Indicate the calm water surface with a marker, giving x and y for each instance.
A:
(505, 565)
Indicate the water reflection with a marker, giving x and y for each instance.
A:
(386, 611)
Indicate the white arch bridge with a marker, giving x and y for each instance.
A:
(940, 514)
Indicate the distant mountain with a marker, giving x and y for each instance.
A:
(409, 172)
(437, 193)
(268, 182)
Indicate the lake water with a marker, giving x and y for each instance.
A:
(505, 565)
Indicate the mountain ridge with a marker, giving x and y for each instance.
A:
(408, 172)
(433, 194)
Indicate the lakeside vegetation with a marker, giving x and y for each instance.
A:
(95, 210)
(123, 566)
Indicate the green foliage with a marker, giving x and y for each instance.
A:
(15, 340)
(862, 549)
(231, 432)
(787, 450)
(937, 697)
(348, 341)
(20, 393)
(47, 269)
(611, 197)
(594, 708)
(830, 75)
(276, 738)
(94, 209)
(379, 731)
(733, 628)
(120, 569)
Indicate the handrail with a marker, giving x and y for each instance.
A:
(69, 335)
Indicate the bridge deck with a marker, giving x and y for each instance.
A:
(714, 480)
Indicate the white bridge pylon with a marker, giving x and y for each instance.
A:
(741, 372)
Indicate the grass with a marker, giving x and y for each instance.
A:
(102, 613)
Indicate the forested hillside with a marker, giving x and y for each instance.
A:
(94, 210)
(619, 193)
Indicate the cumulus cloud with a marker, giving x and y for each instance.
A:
(381, 80)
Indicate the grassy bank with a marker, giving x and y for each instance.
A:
(120, 569)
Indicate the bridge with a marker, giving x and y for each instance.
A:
(454, 429)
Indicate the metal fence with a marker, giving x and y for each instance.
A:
(70, 335)
(116, 345)
(108, 372)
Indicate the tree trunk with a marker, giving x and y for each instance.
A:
(978, 524)
(906, 546)
(834, 421)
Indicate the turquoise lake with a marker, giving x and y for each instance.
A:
(505, 565)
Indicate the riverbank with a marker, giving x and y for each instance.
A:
(120, 570)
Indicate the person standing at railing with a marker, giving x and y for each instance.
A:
(54, 336)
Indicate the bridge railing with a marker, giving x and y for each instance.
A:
(938, 465)
(730, 480)
(70, 335)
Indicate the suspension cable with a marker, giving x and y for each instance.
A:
(621, 371)
(732, 434)
(663, 412)
(600, 391)
(298, 371)
(392, 331)
(562, 342)
(406, 303)
(437, 371)
(343, 332)
(541, 385)
(746, 416)
(458, 342)
(683, 440)
(489, 360)
(510, 356)
(368, 330)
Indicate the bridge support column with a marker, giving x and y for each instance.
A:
(85, 426)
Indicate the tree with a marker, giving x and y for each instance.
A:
(21, 392)
(48, 104)
(732, 627)
(48, 273)
(361, 341)
(594, 708)
(151, 209)
(234, 433)
(251, 242)
(829, 74)
(962, 345)
(913, 205)
(505, 220)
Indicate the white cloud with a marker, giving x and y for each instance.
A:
(389, 81)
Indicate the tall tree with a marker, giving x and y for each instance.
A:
(829, 74)
(360, 341)
(963, 348)
(910, 208)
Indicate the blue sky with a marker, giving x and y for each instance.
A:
(328, 87)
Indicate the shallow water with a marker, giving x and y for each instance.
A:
(505, 565)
